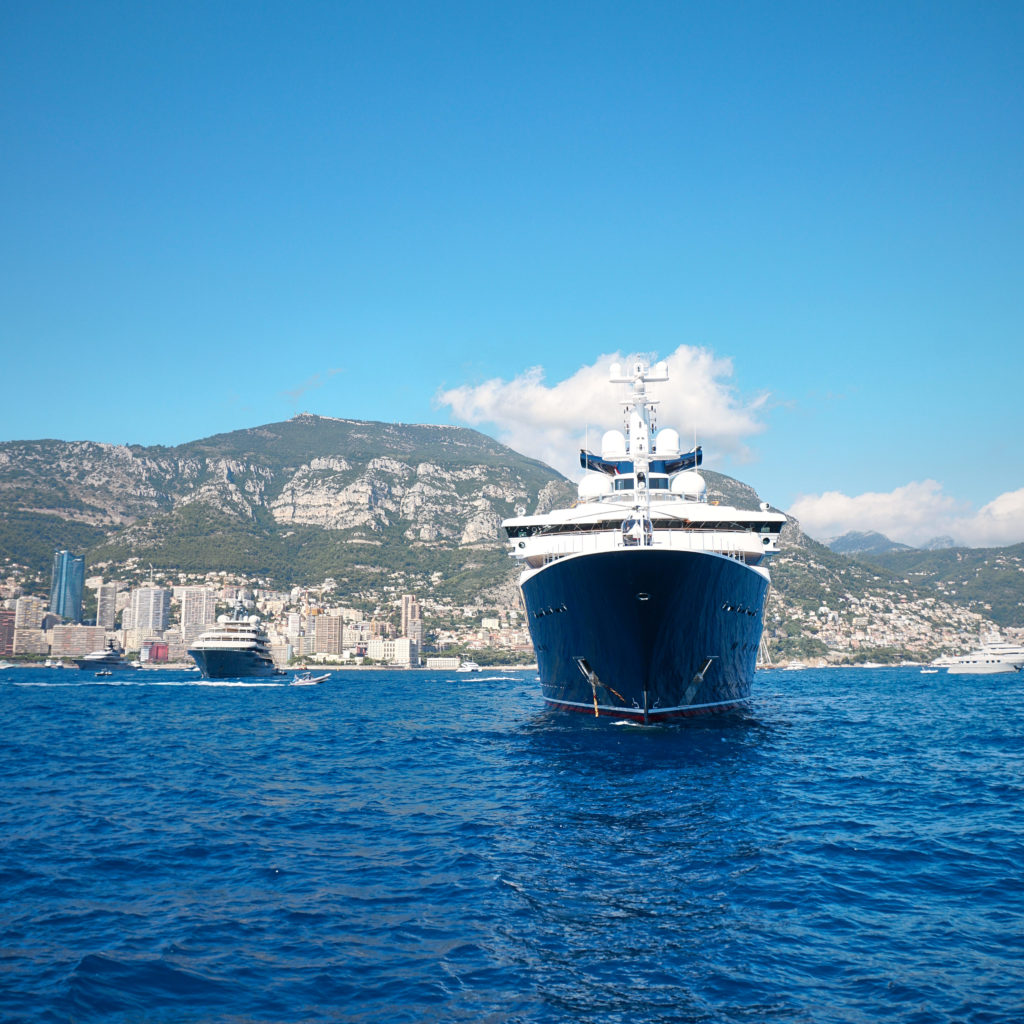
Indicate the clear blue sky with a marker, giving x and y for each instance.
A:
(215, 215)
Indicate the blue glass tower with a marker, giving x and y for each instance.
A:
(66, 585)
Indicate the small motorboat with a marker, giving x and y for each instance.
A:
(308, 679)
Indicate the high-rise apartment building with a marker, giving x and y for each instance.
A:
(66, 583)
(29, 637)
(29, 612)
(6, 632)
(198, 611)
(106, 605)
(412, 618)
(150, 609)
(328, 630)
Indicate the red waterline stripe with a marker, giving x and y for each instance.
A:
(652, 716)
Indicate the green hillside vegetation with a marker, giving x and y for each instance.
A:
(30, 539)
(990, 580)
(811, 575)
(197, 539)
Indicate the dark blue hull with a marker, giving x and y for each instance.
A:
(232, 664)
(645, 633)
(114, 664)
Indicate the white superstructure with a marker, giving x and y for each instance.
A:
(234, 635)
(643, 491)
(235, 647)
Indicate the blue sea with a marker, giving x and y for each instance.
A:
(414, 846)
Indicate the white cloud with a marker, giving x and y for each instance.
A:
(549, 422)
(1000, 521)
(914, 514)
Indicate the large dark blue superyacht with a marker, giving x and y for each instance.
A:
(644, 600)
(237, 647)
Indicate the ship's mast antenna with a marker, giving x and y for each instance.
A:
(643, 409)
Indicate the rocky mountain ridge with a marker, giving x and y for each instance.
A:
(338, 484)
(871, 542)
(306, 492)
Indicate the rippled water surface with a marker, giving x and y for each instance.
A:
(412, 846)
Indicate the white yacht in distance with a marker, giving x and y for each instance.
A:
(994, 655)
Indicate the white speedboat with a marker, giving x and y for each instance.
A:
(308, 679)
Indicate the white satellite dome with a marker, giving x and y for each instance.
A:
(594, 485)
(613, 445)
(666, 442)
(690, 484)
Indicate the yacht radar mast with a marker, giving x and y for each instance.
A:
(639, 408)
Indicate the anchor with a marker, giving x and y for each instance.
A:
(591, 677)
(691, 690)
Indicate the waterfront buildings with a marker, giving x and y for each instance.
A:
(449, 663)
(76, 641)
(400, 651)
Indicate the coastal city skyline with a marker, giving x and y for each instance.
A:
(157, 622)
(443, 215)
(156, 616)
